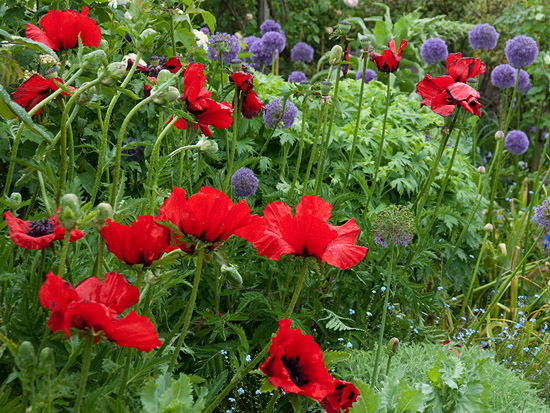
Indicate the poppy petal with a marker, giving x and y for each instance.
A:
(39, 35)
(342, 251)
(56, 294)
(442, 105)
(313, 205)
(429, 87)
(135, 331)
(19, 234)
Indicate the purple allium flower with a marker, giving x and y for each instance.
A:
(521, 51)
(524, 82)
(274, 116)
(483, 36)
(249, 41)
(274, 41)
(301, 52)
(134, 154)
(270, 26)
(516, 142)
(503, 76)
(393, 225)
(297, 77)
(542, 214)
(205, 30)
(262, 56)
(434, 50)
(244, 183)
(369, 75)
(232, 47)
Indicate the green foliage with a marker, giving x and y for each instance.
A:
(165, 394)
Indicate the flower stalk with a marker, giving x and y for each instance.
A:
(300, 150)
(85, 369)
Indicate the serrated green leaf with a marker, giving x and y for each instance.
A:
(266, 386)
(410, 400)
(333, 357)
(368, 402)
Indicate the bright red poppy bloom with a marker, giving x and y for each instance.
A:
(34, 90)
(206, 110)
(141, 242)
(62, 28)
(296, 364)
(463, 68)
(343, 396)
(37, 235)
(389, 60)
(210, 217)
(442, 94)
(98, 306)
(308, 234)
(251, 104)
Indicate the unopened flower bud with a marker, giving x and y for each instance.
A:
(481, 169)
(221, 46)
(236, 65)
(51, 73)
(46, 361)
(329, 30)
(325, 86)
(168, 96)
(92, 60)
(249, 16)
(335, 54)
(110, 74)
(85, 97)
(15, 200)
(69, 211)
(155, 60)
(103, 212)
(233, 276)
(503, 250)
(147, 40)
(207, 145)
(499, 135)
(344, 27)
(365, 43)
(488, 227)
(103, 45)
(26, 357)
(393, 345)
(163, 76)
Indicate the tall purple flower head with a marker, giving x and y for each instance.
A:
(503, 76)
(205, 30)
(483, 36)
(270, 26)
(244, 183)
(434, 50)
(274, 41)
(542, 214)
(370, 75)
(249, 41)
(297, 77)
(274, 116)
(524, 82)
(521, 51)
(232, 47)
(301, 52)
(516, 142)
(393, 225)
(262, 56)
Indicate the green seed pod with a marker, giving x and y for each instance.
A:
(147, 40)
(344, 27)
(86, 97)
(51, 73)
(335, 54)
(325, 86)
(26, 357)
(207, 145)
(69, 211)
(365, 43)
(46, 361)
(103, 212)
(221, 46)
(236, 65)
(15, 200)
(393, 345)
(163, 76)
(233, 275)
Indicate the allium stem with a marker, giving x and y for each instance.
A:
(245, 369)
(357, 121)
(85, 369)
(381, 147)
(384, 313)
(498, 157)
(313, 156)
(300, 150)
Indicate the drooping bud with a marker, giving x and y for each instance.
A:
(147, 40)
(51, 73)
(249, 16)
(481, 169)
(163, 76)
(325, 86)
(236, 65)
(344, 27)
(233, 276)
(170, 95)
(365, 43)
(335, 54)
(103, 45)
(15, 201)
(92, 60)
(103, 212)
(488, 227)
(207, 145)
(85, 97)
(393, 345)
(46, 361)
(499, 135)
(69, 213)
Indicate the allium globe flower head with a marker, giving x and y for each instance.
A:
(244, 183)
(274, 41)
(394, 225)
(301, 52)
(232, 47)
(542, 214)
(262, 55)
(483, 36)
(516, 142)
(503, 76)
(370, 75)
(249, 41)
(297, 77)
(521, 51)
(434, 50)
(275, 117)
(270, 26)
(524, 82)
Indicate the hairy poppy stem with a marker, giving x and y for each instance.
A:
(357, 121)
(64, 252)
(300, 151)
(313, 156)
(272, 402)
(190, 308)
(100, 251)
(124, 382)
(245, 369)
(231, 150)
(85, 369)
(384, 313)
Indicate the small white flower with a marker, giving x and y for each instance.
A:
(351, 3)
(202, 39)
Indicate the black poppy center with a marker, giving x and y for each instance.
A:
(295, 371)
(40, 227)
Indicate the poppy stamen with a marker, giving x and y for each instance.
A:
(40, 228)
(295, 371)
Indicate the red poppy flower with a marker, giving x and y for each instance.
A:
(296, 364)
(173, 65)
(35, 90)
(308, 234)
(463, 68)
(251, 104)
(62, 28)
(207, 111)
(345, 68)
(389, 60)
(210, 217)
(142, 242)
(97, 306)
(343, 396)
(442, 94)
(37, 235)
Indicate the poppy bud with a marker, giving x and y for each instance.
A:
(344, 27)
(365, 43)
(155, 60)
(46, 361)
(237, 65)
(93, 59)
(393, 345)
(110, 74)
(85, 97)
(146, 40)
(335, 54)
(103, 212)
(51, 73)
(207, 145)
(499, 135)
(69, 211)
(325, 87)
(481, 169)
(15, 200)
(488, 228)
(171, 95)
(26, 357)
(103, 45)
(233, 275)
(163, 76)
